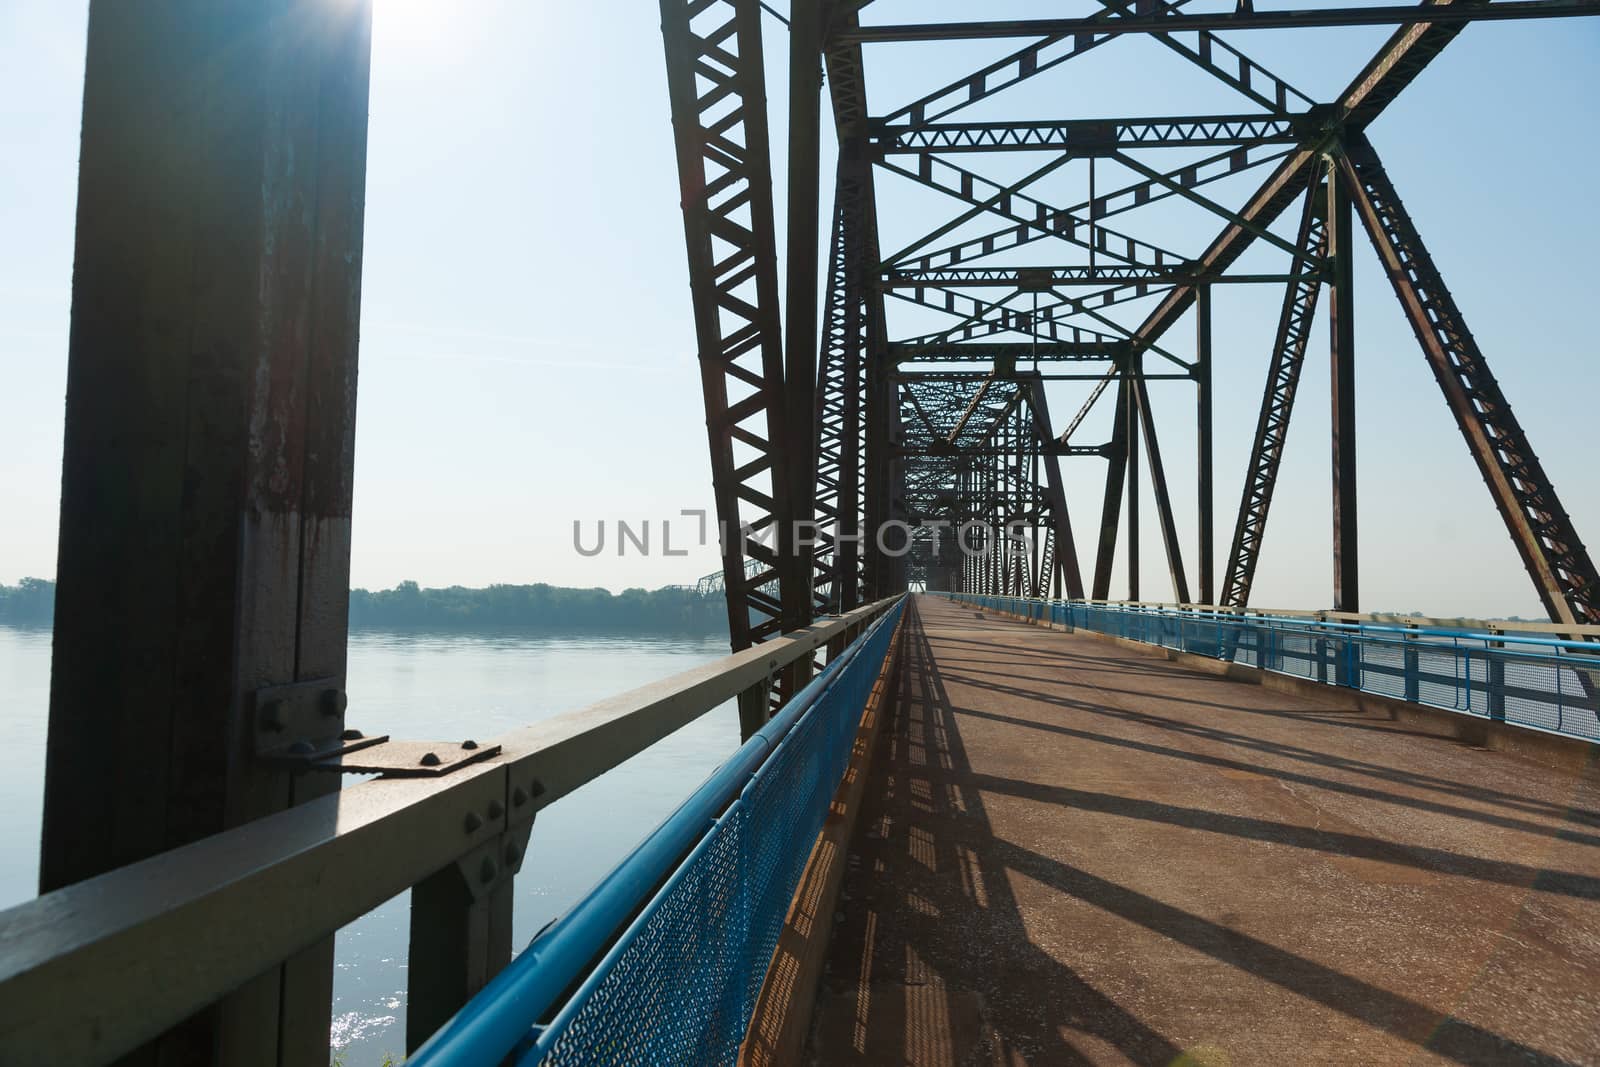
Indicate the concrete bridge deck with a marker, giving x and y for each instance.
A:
(1071, 851)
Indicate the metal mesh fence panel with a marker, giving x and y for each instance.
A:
(684, 984)
(1536, 682)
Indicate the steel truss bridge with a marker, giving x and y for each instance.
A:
(952, 425)
(920, 852)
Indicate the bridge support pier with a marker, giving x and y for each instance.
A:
(210, 431)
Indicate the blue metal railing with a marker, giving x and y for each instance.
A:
(700, 904)
(1542, 683)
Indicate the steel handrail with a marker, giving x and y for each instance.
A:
(91, 971)
(492, 1024)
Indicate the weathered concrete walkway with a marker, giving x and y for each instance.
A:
(1073, 852)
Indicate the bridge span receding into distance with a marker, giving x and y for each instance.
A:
(982, 810)
(1075, 849)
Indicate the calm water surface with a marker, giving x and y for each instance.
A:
(430, 687)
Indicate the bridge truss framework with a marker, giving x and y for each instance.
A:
(859, 430)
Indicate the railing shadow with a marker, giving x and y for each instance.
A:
(1321, 758)
(944, 967)
(938, 960)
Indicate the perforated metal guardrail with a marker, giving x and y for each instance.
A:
(1537, 682)
(680, 983)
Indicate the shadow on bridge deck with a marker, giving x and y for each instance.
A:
(1074, 852)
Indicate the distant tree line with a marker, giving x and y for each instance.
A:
(673, 609)
(31, 602)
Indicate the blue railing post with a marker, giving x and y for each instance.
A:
(1496, 681)
(1412, 667)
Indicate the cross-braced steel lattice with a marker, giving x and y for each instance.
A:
(916, 434)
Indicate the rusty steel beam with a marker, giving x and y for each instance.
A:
(1158, 482)
(1204, 494)
(1556, 559)
(1009, 202)
(1404, 56)
(1083, 137)
(800, 308)
(1130, 414)
(839, 405)
(1277, 405)
(1111, 507)
(1342, 381)
(847, 94)
(1064, 547)
(1018, 66)
(716, 87)
(1279, 19)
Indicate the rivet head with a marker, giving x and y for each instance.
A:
(469, 744)
(473, 822)
(536, 787)
(351, 735)
(334, 702)
(518, 797)
(513, 852)
(496, 809)
(429, 759)
(488, 870)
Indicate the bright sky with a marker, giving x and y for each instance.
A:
(527, 352)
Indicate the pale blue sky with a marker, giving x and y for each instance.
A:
(527, 349)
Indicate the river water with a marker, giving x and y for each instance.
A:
(432, 687)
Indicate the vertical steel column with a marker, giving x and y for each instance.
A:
(1130, 414)
(1341, 305)
(1204, 491)
(1111, 507)
(210, 435)
(800, 325)
(1158, 483)
(881, 396)
(847, 521)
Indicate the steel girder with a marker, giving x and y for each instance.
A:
(1283, 18)
(1540, 527)
(840, 403)
(1055, 351)
(1091, 136)
(716, 85)
(876, 412)
(1104, 205)
(1277, 404)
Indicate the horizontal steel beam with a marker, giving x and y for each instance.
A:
(1054, 351)
(1297, 18)
(92, 971)
(1053, 448)
(974, 376)
(1043, 278)
(1085, 137)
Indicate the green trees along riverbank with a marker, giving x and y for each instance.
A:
(544, 608)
